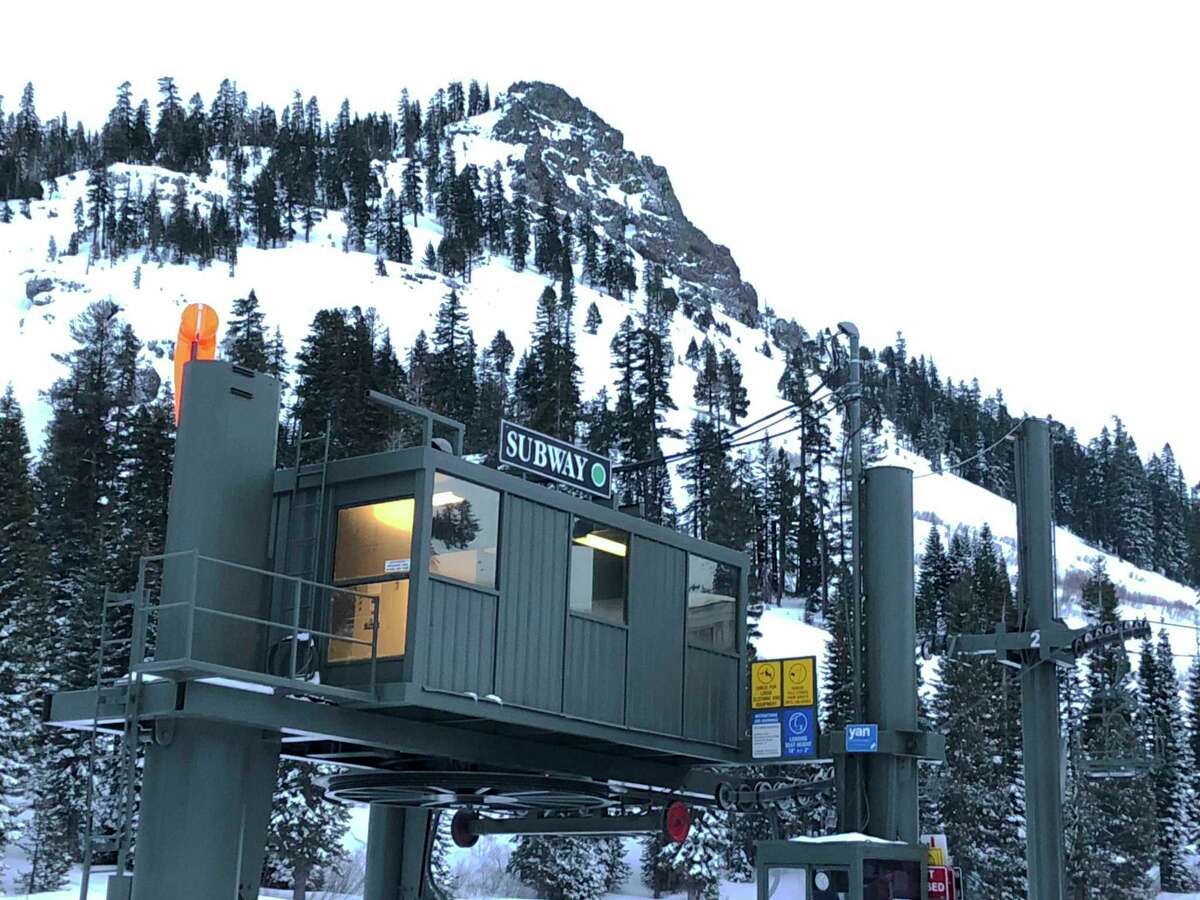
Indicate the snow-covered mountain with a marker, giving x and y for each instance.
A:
(546, 143)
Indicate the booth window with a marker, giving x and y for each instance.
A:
(787, 884)
(599, 571)
(887, 878)
(712, 603)
(465, 531)
(372, 555)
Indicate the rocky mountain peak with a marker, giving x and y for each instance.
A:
(582, 161)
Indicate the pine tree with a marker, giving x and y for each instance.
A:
(559, 868)
(697, 862)
(1126, 489)
(643, 358)
(337, 365)
(1164, 720)
(977, 709)
(418, 369)
(306, 829)
(494, 390)
(593, 322)
(548, 247)
(245, 341)
(1193, 734)
(411, 185)
(520, 229)
(21, 624)
(657, 873)
(547, 381)
(1169, 511)
(79, 486)
(612, 859)
(99, 196)
(933, 586)
(1110, 820)
(169, 136)
(439, 855)
(451, 388)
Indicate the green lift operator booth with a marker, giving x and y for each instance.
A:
(457, 637)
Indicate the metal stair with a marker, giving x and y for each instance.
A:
(305, 521)
(111, 685)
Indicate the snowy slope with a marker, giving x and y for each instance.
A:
(39, 298)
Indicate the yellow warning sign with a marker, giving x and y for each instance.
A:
(798, 682)
(765, 690)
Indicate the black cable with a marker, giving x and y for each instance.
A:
(725, 442)
(980, 455)
(790, 409)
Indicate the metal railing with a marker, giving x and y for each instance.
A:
(180, 638)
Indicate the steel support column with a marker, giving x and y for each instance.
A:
(1039, 681)
(398, 844)
(891, 675)
(206, 799)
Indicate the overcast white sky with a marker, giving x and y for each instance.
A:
(1016, 186)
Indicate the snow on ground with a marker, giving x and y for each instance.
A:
(785, 633)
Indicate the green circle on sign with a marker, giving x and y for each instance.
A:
(599, 476)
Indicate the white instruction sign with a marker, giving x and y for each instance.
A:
(766, 736)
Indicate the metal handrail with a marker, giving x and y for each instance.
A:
(241, 618)
(292, 629)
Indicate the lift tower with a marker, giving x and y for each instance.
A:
(1037, 610)
(1041, 642)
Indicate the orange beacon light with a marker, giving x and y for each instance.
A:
(197, 340)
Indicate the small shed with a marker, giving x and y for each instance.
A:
(841, 867)
(476, 598)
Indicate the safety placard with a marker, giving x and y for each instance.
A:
(765, 685)
(788, 688)
(799, 733)
(941, 883)
(766, 736)
(799, 684)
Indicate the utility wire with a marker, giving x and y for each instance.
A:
(791, 409)
(980, 455)
(737, 438)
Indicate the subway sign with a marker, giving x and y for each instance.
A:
(557, 460)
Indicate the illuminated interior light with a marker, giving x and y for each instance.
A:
(395, 514)
(606, 545)
(446, 498)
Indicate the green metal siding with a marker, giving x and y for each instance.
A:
(711, 689)
(533, 584)
(657, 584)
(595, 671)
(462, 638)
(220, 505)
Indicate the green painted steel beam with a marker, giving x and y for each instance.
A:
(355, 726)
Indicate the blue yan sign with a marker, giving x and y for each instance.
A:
(862, 738)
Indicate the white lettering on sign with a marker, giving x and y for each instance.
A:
(551, 458)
